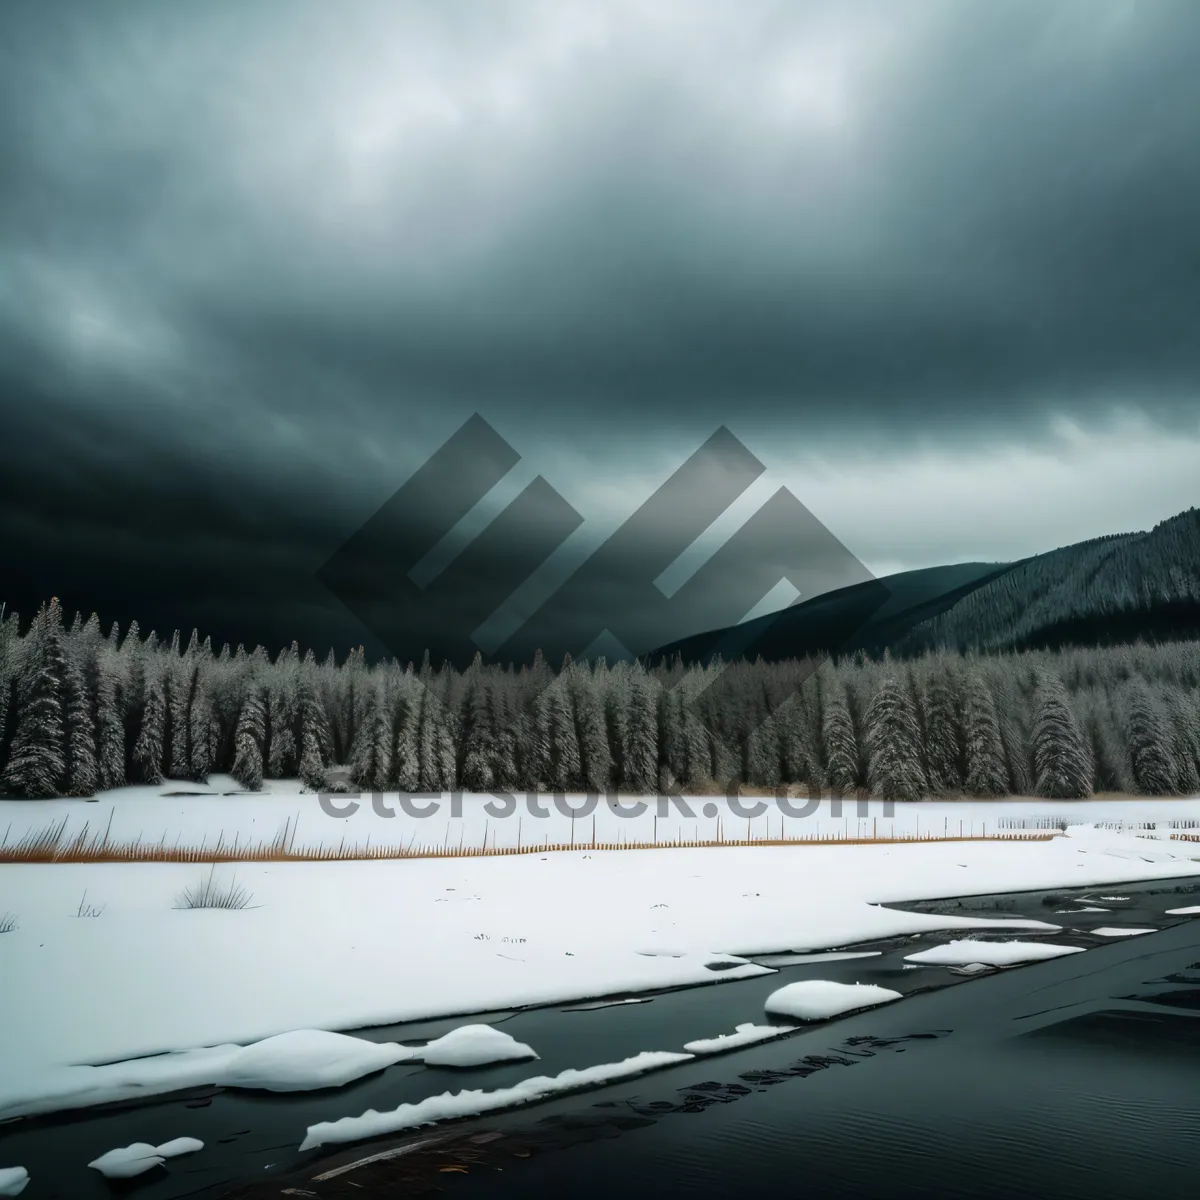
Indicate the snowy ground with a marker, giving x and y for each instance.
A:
(155, 815)
(344, 945)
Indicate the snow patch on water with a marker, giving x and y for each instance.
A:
(819, 999)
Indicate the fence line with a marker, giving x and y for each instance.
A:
(53, 845)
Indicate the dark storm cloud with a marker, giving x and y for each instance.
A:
(260, 258)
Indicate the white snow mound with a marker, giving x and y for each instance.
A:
(1119, 931)
(13, 1180)
(742, 1035)
(177, 1146)
(1191, 911)
(993, 954)
(473, 1046)
(818, 999)
(306, 1059)
(128, 1161)
(449, 1105)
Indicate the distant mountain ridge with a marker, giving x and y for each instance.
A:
(1112, 589)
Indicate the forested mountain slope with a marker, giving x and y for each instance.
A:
(1102, 592)
(867, 616)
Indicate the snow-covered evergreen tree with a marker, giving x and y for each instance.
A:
(315, 737)
(1184, 711)
(110, 724)
(148, 749)
(283, 714)
(372, 753)
(943, 734)
(1062, 759)
(248, 739)
(406, 753)
(10, 647)
(893, 743)
(838, 736)
(435, 749)
(80, 773)
(641, 732)
(36, 759)
(986, 770)
(477, 738)
(563, 766)
(591, 731)
(1149, 735)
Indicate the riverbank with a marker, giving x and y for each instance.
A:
(249, 1135)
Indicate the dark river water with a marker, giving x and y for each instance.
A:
(1076, 1077)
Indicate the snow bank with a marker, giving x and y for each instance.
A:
(1120, 931)
(819, 999)
(743, 1035)
(13, 1180)
(128, 1161)
(302, 1060)
(993, 954)
(1191, 911)
(473, 1046)
(306, 1059)
(471, 1103)
(1071, 911)
(178, 1146)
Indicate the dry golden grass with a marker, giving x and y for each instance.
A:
(51, 844)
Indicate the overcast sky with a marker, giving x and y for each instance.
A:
(936, 264)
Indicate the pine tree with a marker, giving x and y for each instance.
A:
(477, 743)
(248, 740)
(283, 714)
(80, 775)
(36, 761)
(943, 740)
(372, 757)
(502, 703)
(986, 770)
(641, 733)
(110, 726)
(1150, 742)
(9, 652)
(1184, 712)
(563, 765)
(148, 749)
(204, 728)
(181, 682)
(591, 731)
(435, 750)
(406, 755)
(1112, 769)
(893, 743)
(1061, 758)
(763, 753)
(797, 742)
(315, 737)
(838, 736)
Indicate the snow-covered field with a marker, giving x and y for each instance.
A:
(348, 944)
(155, 816)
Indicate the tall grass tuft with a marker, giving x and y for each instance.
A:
(8, 922)
(209, 893)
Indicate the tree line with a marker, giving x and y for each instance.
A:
(82, 711)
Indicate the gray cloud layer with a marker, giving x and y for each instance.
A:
(259, 258)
